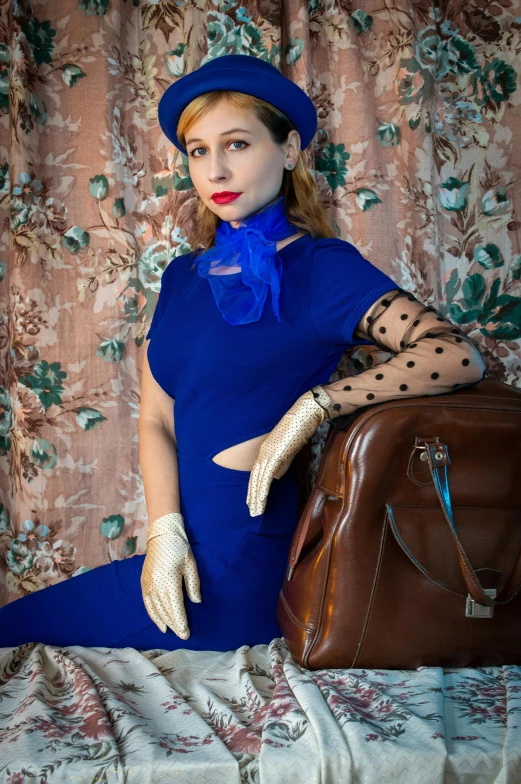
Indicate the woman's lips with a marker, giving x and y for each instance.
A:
(225, 199)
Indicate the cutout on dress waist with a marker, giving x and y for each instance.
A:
(238, 456)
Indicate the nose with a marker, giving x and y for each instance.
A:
(217, 167)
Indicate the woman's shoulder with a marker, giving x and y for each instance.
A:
(180, 262)
(327, 254)
(333, 257)
(322, 244)
(332, 245)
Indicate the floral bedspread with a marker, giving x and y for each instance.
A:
(251, 715)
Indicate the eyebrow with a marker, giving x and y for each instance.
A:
(224, 133)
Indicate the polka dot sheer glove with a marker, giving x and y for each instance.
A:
(169, 558)
(432, 357)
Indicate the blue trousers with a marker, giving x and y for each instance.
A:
(241, 562)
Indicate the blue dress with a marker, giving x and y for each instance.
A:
(230, 383)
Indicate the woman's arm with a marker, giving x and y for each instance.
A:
(157, 448)
(169, 557)
(432, 356)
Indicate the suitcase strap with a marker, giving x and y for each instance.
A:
(438, 459)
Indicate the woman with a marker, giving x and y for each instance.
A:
(247, 330)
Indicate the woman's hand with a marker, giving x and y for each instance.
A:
(278, 450)
(169, 558)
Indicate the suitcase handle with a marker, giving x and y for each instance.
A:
(437, 455)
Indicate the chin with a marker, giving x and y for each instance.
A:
(229, 212)
(232, 206)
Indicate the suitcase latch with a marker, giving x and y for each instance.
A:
(475, 610)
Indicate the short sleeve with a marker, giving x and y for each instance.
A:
(344, 285)
(164, 295)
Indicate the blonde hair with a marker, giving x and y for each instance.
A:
(301, 195)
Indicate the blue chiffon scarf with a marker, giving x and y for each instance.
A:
(240, 296)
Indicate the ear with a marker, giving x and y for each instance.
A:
(293, 144)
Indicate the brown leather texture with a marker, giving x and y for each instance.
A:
(408, 551)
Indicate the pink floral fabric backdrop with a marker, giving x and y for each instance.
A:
(416, 157)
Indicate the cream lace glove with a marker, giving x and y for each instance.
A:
(169, 558)
(284, 441)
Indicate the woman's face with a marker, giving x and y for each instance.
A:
(247, 161)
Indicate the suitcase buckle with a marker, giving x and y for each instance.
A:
(475, 610)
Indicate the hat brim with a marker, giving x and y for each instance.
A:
(276, 89)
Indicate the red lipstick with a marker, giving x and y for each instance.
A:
(223, 197)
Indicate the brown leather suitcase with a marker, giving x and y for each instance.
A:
(408, 550)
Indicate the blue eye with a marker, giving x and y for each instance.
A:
(236, 141)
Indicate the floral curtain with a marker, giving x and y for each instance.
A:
(417, 159)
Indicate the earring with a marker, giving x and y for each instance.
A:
(290, 165)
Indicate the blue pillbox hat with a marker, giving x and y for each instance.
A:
(246, 74)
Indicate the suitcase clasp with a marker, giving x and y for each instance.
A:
(475, 610)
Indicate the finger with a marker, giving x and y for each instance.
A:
(153, 614)
(177, 605)
(192, 582)
(263, 486)
(253, 472)
(282, 469)
(253, 489)
(249, 493)
(159, 607)
(177, 620)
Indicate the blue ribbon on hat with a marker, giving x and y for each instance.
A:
(240, 296)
